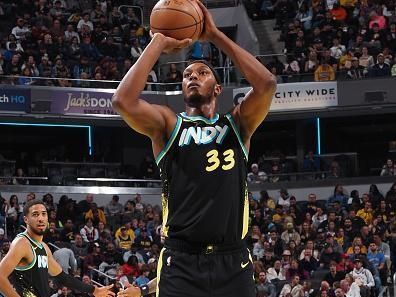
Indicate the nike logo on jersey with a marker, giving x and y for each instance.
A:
(203, 135)
(243, 265)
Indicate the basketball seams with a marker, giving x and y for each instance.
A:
(178, 28)
(195, 14)
(198, 14)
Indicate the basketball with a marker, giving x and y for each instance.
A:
(178, 19)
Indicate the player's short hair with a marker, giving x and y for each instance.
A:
(215, 74)
(29, 204)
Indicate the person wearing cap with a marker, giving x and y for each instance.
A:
(356, 71)
(202, 156)
(364, 276)
(256, 175)
(291, 234)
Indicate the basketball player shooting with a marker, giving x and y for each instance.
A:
(29, 261)
(202, 158)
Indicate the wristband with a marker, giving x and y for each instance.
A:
(144, 290)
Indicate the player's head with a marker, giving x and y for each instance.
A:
(35, 216)
(201, 83)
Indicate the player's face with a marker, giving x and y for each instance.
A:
(199, 84)
(37, 219)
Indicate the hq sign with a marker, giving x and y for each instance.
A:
(14, 100)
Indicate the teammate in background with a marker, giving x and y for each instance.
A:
(29, 261)
(202, 158)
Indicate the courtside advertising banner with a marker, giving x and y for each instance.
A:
(298, 96)
(14, 100)
(82, 102)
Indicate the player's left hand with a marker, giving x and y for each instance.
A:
(103, 291)
(130, 292)
(210, 30)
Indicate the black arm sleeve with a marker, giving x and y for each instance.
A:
(73, 283)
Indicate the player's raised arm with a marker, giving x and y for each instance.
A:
(17, 252)
(148, 119)
(254, 109)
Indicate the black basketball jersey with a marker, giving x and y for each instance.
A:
(203, 168)
(32, 280)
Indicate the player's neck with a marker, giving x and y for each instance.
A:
(35, 237)
(205, 110)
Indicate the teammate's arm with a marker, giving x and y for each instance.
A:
(55, 270)
(152, 120)
(134, 291)
(252, 111)
(18, 251)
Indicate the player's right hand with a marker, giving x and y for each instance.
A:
(130, 292)
(171, 45)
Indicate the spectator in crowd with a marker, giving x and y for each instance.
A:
(264, 287)
(256, 175)
(324, 72)
(89, 233)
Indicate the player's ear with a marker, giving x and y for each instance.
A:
(217, 90)
(25, 219)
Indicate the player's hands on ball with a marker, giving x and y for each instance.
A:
(210, 30)
(130, 292)
(103, 291)
(171, 45)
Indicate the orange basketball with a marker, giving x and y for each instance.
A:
(179, 19)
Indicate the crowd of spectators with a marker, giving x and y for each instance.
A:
(121, 241)
(92, 40)
(329, 39)
(343, 245)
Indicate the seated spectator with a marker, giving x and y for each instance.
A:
(388, 168)
(337, 50)
(276, 273)
(366, 213)
(333, 275)
(324, 72)
(85, 22)
(291, 289)
(89, 233)
(290, 234)
(356, 71)
(311, 162)
(380, 68)
(256, 176)
(264, 287)
(364, 277)
(95, 214)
